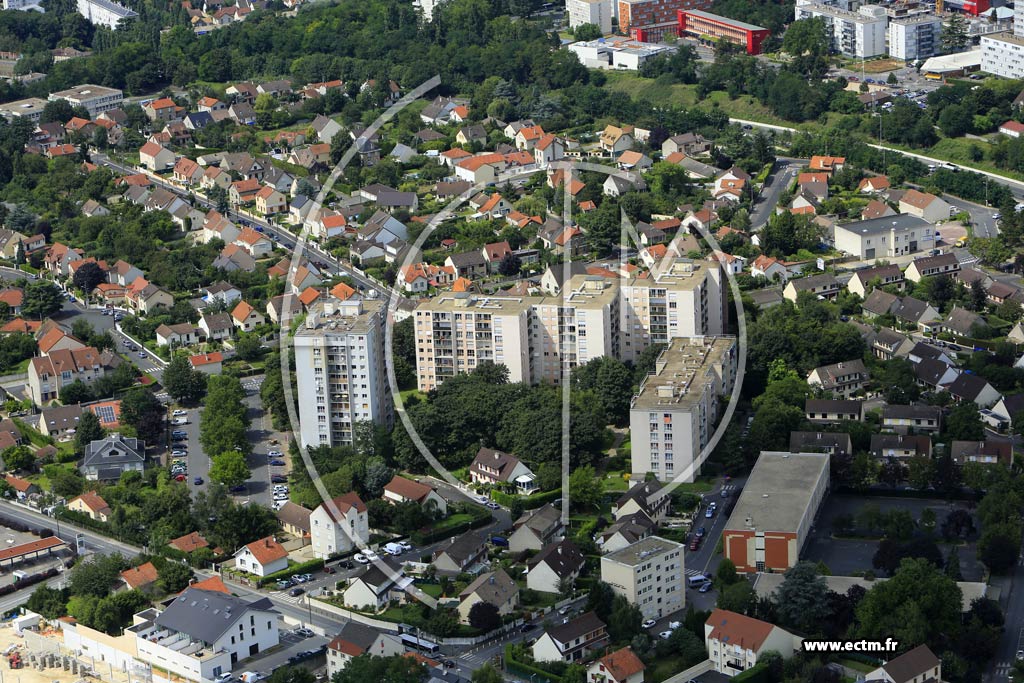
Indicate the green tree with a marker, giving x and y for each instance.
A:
(954, 34)
(611, 381)
(739, 597)
(726, 574)
(801, 601)
(229, 468)
(182, 382)
(484, 617)
(964, 423)
(75, 393)
(585, 490)
(999, 546)
(586, 32)
(394, 669)
(625, 620)
(18, 458)
(248, 346)
(96, 575)
(292, 674)
(891, 78)
(174, 577)
(919, 604)
(49, 602)
(42, 299)
(88, 430)
(487, 673)
(141, 410)
(88, 276)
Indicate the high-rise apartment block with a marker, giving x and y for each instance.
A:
(340, 371)
(859, 34)
(649, 574)
(673, 416)
(916, 36)
(596, 12)
(539, 337)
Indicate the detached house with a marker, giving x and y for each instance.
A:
(843, 379)
(107, 459)
(556, 566)
(91, 505)
(924, 205)
(572, 641)
(245, 317)
(339, 525)
(495, 588)
(269, 201)
(262, 558)
(943, 264)
(645, 498)
(356, 639)
(49, 374)
(735, 641)
(460, 554)
(621, 666)
(257, 244)
(402, 490)
(536, 529)
(615, 140)
(156, 157)
(495, 467)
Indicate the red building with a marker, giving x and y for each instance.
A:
(648, 21)
(972, 7)
(707, 26)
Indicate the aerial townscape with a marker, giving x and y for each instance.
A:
(511, 341)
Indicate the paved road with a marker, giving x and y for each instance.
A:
(981, 216)
(784, 173)
(1012, 639)
(284, 237)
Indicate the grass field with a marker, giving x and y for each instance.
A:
(678, 95)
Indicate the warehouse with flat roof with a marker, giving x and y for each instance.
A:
(773, 516)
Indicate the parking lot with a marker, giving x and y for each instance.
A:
(288, 652)
(847, 556)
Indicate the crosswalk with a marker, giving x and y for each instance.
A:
(729, 488)
(293, 599)
(693, 572)
(163, 397)
(1003, 669)
(252, 384)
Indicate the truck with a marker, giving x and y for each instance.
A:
(393, 549)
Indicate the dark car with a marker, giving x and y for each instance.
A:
(278, 479)
(198, 481)
(277, 463)
(694, 544)
(237, 489)
(329, 570)
(526, 628)
(296, 592)
(180, 477)
(449, 664)
(346, 564)
(700, 532)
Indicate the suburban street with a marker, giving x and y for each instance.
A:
(284, 237)
(1012, 639)
(785, 172)
(981, 216)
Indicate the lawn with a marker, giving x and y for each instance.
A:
(664, 668)
(959, 151)
(406, 394)
(857, 666)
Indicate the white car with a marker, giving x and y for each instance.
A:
(178, 421)
(361, 559)
(274, 454)
(281, 496)
(673, 625)
(277, 505)
(370, 555)
(406, 546)
(665, 635)
(649, 623)
(179, 412)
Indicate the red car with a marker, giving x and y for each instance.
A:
(329, 570)
(694, 544)
(180, 477)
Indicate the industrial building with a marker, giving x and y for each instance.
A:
(602, 54)
(31, 109)
(773, 516)
(96, 99)
(712, 27)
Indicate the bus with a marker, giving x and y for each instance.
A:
(420, 644)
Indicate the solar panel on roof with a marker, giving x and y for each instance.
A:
(105, 414)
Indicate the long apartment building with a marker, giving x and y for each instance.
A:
(96, 99)
(651, 20)
(340, 371)
(916, 36)
(539, 337)
(673, 416)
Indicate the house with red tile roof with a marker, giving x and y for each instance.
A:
(189, 542)
(141, 578)
(262, 557)
(827, 164)
(402, 490)
(207, 363)
(22, 487)
(257, 244)
(621, 666)
(735, 641)
(155, 157)
(245, 317)
(90, 504)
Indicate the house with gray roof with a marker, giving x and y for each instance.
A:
(460, 554)
(201, 634)
(961, 322)
(107, 459)
(833, 443)
(554, 567)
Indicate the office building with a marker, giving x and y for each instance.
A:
(712, 27)
(885, 237)
(914, 37)
(340, 371)
(648, 573)
(31, 109)
(618, 54)
(674, 415)
(95, 99)
(859, 34)
(651, 20)
(1002, 54)
(537, 337)
(105, 12)
(596, 12)
(773, 515)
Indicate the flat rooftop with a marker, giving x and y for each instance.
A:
(26, 107)
(778, 491)
(902, 221)
(641, 550)
(353, 316)
(85, 92)
(682, 371)
(724, 20)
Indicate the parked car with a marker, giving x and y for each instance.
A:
(360, 558)
(665, 635)
(705, 587)
(179, 421)
(275, 454)
(370, 555)
(179, 454)
(278, 478)
(277, 463)
(346, 564)
(238, 489)
(304, 632)
(330, 570)
(178, 412)
(296, 592)
(178, 432)
(180, 477)
(701, 531)
(648, 623)
(198, 481)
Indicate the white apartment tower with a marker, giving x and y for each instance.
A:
(597, 12)
(539, 337)
(340, 371)
(859, 34)
(648, 573)
(914, 37)
(674, 414)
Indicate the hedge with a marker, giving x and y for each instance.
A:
(83, 520)
(523, 669)
(427, 537)
(301, 568)
(528, 502)
(755, 674)
(27, 581)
